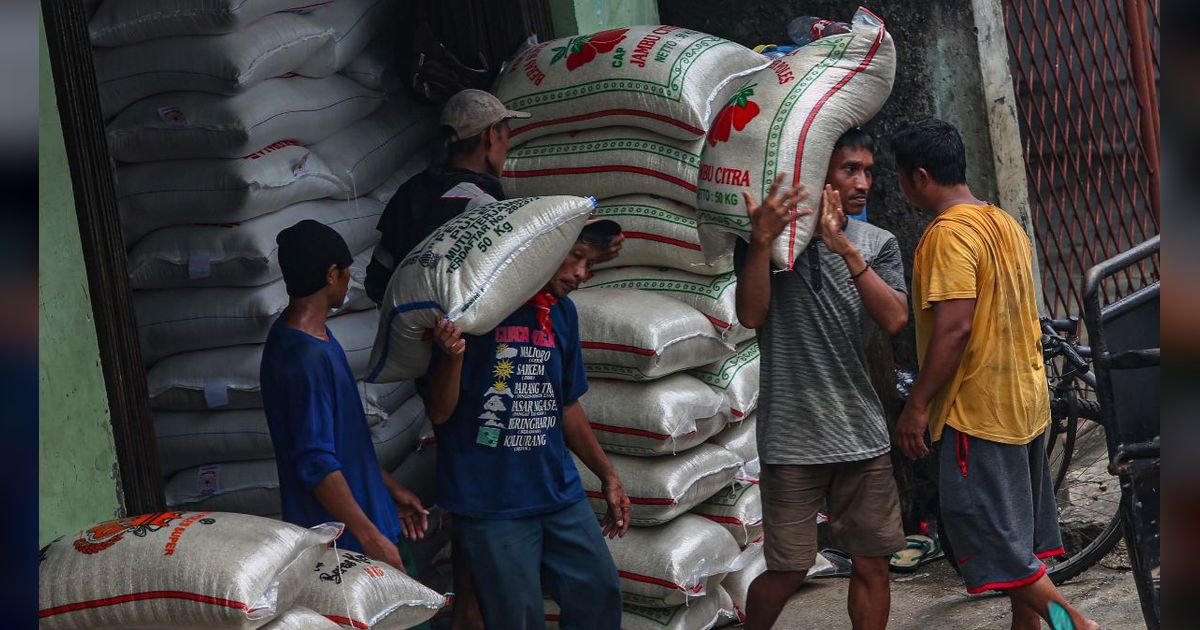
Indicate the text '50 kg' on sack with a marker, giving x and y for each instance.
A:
(787, 118)
(475, 270)
(638, 336)
(126, 22)
(669, 565)
(660, 417)
(714, 296)
(659, 233)
(177, 569)
(735, 376)
(358, 592)
(664, 79)
(603, 163)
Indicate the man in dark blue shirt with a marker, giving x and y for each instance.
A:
(505, 407)
(328, 470)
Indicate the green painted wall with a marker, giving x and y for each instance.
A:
(78, 482)
(572, 17)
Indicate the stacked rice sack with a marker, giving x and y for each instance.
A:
(622, 115)
(228, 122)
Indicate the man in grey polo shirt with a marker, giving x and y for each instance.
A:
(822, 432)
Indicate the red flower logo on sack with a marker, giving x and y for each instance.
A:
(109, 533)
(581, 50)
(735, 115)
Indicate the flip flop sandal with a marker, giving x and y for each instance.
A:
(1060, 619)
(918, 550)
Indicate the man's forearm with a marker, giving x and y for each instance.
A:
(333, 493)
(886, 306)
(440, 389)
(578, 433)
(754, 286)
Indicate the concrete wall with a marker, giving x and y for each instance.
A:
(78, 481)
(572, 17)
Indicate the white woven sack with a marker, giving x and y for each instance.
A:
(714, 296)
(664, 79)
(354, 24)
(366, 153)
(186, 125)
(741, 440)
(301, 619)
(381, 399)
(177, 570)
(659, 417)
(669, 565)
(475, 270)
(377, 67)
(791, 114)
(738, 509)
(736, 378)
(638, 336)
(243, 487)
(398, 436)
(603, 163)
(245, 254)
(710, 611)
(358, 592)
(228, 378)
(188, 439)
(418, 473)
(661, 488)
(659, 233)
(124, 22)
(152, 195)
(416, 163)
(218, 64)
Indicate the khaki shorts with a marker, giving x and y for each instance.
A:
(863, 508)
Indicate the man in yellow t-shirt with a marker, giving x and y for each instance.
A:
(981, 391)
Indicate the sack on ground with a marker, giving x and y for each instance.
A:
(153, 195)
(714, 296)
(659, 417)
(301, 619)
(177, 569)
(366, 153)
(218, 64)
(738, 509)
(353, 23)
(242, 255)
(191, 125)
(377, 67)
(659, 233)
(188, 439)
(637, 336)
(665, 79)
(791, 114)
(709, 611)
(358, 592)
(661, 488)
(124, 22)
(398, 436)
(242, 487)
(740, 439)
(603, 163)
(669, 565)
(736, 378)
(475, 270)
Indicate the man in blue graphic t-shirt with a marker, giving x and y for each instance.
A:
(505, 408)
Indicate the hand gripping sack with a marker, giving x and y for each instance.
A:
(188, 439)
(603, 163)
(228, 378)
(218, 64)
(245, 254)
(638, 335)
(738, 509)
(714, 296)
(475, 270)
(152, 195)
(669, 565)
(241, 487)
(791, 114)
(353, 23)
(301, 619)
(664, 79)
(736, 377)
(741, 440)
(188, 125)
(659, 233)
(357, 592)
(661, 488)
(399, 435)
(177, 569)
(124, 22)
(659, 417)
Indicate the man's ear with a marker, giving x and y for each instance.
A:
(331, 274)
(922, 178)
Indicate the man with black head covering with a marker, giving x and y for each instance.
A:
(328, 470)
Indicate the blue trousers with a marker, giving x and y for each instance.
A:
(562, 553)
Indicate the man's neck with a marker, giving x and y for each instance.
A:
(308, 315)
(955, 196)
(473, 162)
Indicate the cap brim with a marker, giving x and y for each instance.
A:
(515, 114)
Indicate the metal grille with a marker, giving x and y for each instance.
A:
(1086, 74)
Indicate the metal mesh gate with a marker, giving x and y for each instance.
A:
(1086, 73)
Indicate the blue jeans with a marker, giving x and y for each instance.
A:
(563, 552)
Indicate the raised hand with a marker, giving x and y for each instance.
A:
(776, 212)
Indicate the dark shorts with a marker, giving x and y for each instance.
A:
(998, 510)
(863, 509)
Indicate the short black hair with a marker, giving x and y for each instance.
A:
(934, 145)
(855, 138)
(599, 235)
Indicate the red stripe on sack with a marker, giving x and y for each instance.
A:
(616, 347)
(808, 123)
(718, 323)
(612, 168)
(646, 236)
(634, 500)
(628, 431)
(637, 577)
(551, 617)
(737, 412)
(137, 597)
(1051, 553)
(724, 519)
(610, 112)
(1002, 586)
(343, 621)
